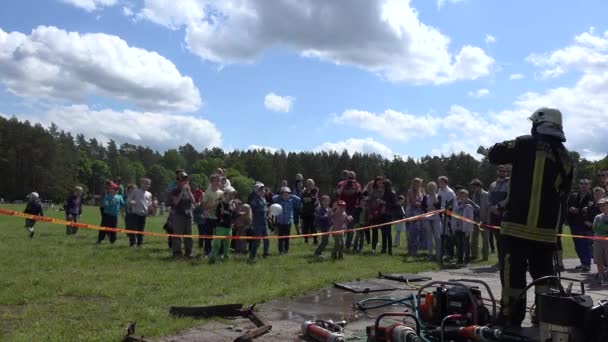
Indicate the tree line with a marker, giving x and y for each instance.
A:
(52, 161)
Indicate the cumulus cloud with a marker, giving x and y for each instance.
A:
(588, 54)
(490, 39)
(385, 37)
(52, 63)
(479, 93)
(157, 130)
(391, 124)
(278, 103)
(352, 146)
(584, 105)
(262, 147)
(91, 5)
(513, 77)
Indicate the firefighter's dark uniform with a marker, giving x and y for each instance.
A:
(542, 175)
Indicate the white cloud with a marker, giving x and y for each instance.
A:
(365, 146)
(157, 130)
(278, 103)
(51, 63)
(588, 54)
(441, 3)
(262, 147)
(391, 124)
(584, 106)
(127, 11)
(385, 37)
(516, 77)
(91, 5)
(479, 93)
(490, 39)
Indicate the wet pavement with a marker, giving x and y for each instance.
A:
(287, 315)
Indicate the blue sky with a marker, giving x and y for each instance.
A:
(392, 77)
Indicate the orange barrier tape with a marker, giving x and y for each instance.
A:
(126, 231)
(485, 225)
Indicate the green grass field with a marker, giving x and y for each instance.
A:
(64, 288)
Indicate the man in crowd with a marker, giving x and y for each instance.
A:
(481, 198)
(73, 209)
(499, 196)
(542, 176)
(603, 177)
(182, 200)
(259, 208)
(349, 191)
(448, 197)
(310, 201)
(576, 220)
(211, 199)
(139, 200)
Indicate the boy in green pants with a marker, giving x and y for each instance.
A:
(225, 213)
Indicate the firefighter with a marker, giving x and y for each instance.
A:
(541, 178)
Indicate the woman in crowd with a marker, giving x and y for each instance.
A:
(390, 213)
(415, 240)
(431, 226)
(374, 190)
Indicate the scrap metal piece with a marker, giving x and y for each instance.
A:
(255, 333)
(207, 311)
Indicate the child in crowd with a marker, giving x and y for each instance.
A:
(284, 221)
(340, 221)
(225, 213)
(600, 247)
(73, 209)
(111, 204)
(400, 214)
(360, 218)
(323, 223)
(463, 229)
(33, 207)
(593, 209)
(241, 225)
(198, 211)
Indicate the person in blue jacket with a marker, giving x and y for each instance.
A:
(111, 204)
(284, 221)
(259, 209)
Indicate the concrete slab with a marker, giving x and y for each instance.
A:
(287, 315)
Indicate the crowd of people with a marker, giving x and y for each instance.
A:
(217, 211)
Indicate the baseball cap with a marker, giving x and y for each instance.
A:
(113, 185)
(258, 186)
(341, 203)
(182, 175)
(603, 201)
(285, 189)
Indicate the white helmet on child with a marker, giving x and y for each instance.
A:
(33, 196)
(275, 210)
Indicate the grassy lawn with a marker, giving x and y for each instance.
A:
(58, 288)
